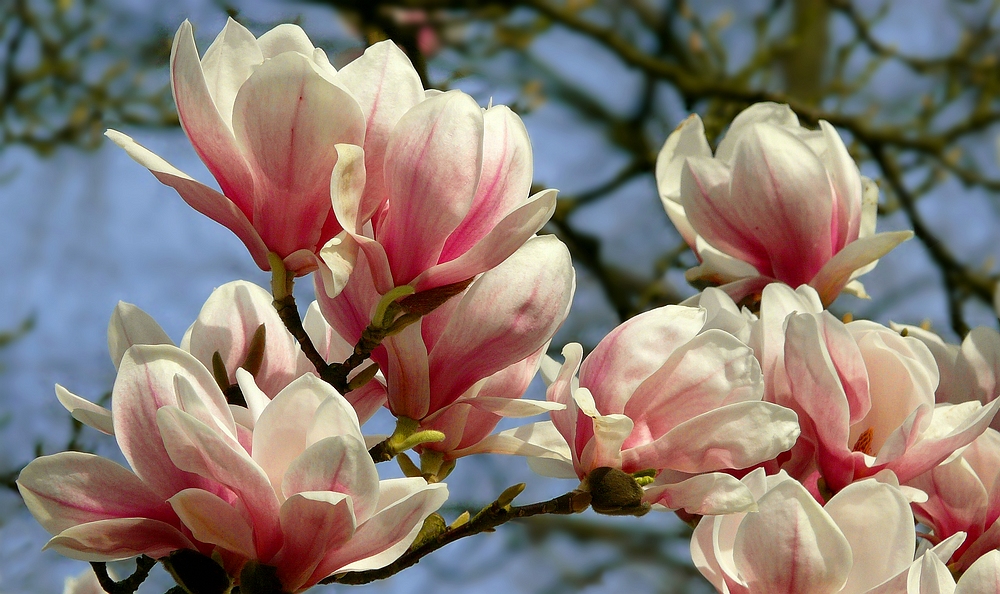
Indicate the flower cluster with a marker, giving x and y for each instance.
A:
(803, 446)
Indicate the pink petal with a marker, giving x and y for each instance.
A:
(73, 488)
(778, 185)
(791, 545)
(835, 273)
(931, 577)
(533, 440)
(433, 162)
(506, 315)
(931, 451)
(191, 401)
(706, 199)
(196, 448)
(129, 326)
(340, 464)
(335, 416)
(605, 449)
(116, 539)
(987, 541)
(982, 577)
(386, 86)
(734, 436)
(865, 508)
(688, 140)
(209, 131)
(957, 499)
(817, 381)
(313, 524)
(403, 506)
(408, 374)
(703, 553)
(214, 521)
(705, 494)
(280, 433)
(777, 114)
(980, 364)
(496, 246)
(503, 184)
(709, 371)
(575, 427)
(285, 37)
(349, 313)
(846, 181)
(86, 411)
(633, 352)
(287, 119)
(347, 182)
(145, 383)
(227, 64)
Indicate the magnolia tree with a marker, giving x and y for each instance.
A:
(810, 453)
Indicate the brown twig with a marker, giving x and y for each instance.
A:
(129, 585)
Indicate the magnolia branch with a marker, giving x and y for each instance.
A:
(497, 513)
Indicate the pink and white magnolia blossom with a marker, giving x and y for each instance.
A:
(862, 538)
(226, 324)
(660, 393)
(302, 496)
(863, 393)
(466, 364)
(264, 116)
(777, 202)
(444, 200)
(963, 495)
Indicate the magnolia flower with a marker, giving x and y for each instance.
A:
(466, 364)
(239, 323)
(777, 202)
(454, 201)
(661, 394)
(264, 115)
(963, 495)
(865, 399)
(863, 537)
(303, 497)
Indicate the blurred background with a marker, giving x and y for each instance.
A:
(913, 86)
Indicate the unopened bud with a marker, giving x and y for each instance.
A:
(425, 302)
(615, 493)
(508, 495)
(460, 521)
(433, 527)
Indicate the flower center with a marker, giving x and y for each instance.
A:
(864, 442)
